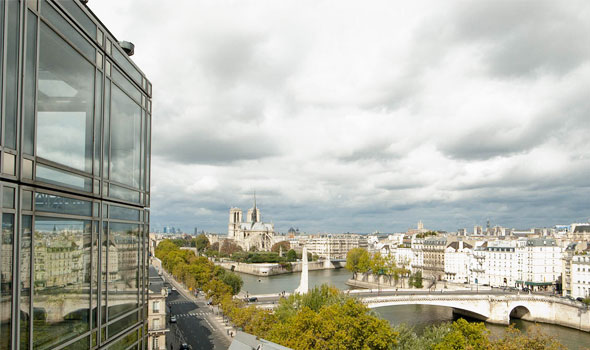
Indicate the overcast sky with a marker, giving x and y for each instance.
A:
(368, 115)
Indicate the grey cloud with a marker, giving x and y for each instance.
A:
(525, 38)
(198, 146)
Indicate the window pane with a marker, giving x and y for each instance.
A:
(12, 38)
(65, 103)
(125, 139)
(97, 122)
(123, 265)
(8, 198)
(30, 79)
(1, 56)
(6, 279)
(63, 178)
(25, 278)
(68, 31)
(124, 194)
(123, 62)
(126, 85)
(62, 280)
(62, 205)
(80, 16)
(124, 213)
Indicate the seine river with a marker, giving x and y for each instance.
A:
(418, 316)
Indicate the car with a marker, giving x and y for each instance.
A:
(209, 302)
(580, 299)
(184, 346)
(172, 319)
(174, 289)
(252, 299)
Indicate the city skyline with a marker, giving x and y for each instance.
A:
(345, 117)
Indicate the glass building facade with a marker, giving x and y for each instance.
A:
(75, 137)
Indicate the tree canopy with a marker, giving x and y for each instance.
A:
(282, 244)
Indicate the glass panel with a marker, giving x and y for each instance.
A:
(104, 271)
(123, 265)
(63, 178)
(12, 49)
(8, 165)
(148, 151)
(8, 198)
(27, 200)
(126, 85)
(124, 63)
(30, 80)
(66, 29)
(79, 15)
(6, 279)
(27, 169)
(62, 205)
(1, 55)
(25, 280)
(65, 104)
(124, 213)
(95, 276)
(62, 280)
(124, 194)
(125, 139)
(121, 325)
(107, 129)
(97, 122)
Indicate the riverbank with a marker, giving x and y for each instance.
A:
(273, 269)
(369, 281)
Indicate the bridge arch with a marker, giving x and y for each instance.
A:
(471, 310)
(520, 312)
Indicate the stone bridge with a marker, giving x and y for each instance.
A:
(499, 308)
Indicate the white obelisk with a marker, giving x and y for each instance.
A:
(304, 284)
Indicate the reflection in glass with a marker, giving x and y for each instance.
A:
(125, 139)
(63, 178)
(65, 103)
(123, 268)
(6, 279)
(30, 79)
(12, 49)
(8, 197)
(25, 280)
(62, 205)
(62, 280)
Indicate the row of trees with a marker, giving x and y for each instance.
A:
(358, 260)
(325, 318)
(197, 272)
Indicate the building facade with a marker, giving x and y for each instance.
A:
(74, 181)
(251, 233)
(334, 246)
(157, 315)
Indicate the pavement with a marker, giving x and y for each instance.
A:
(197, 324)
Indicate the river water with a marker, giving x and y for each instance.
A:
(418, 316)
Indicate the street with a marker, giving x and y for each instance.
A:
(192, 325)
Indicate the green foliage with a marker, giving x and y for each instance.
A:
(291, 255)
(462, 335)
(358, 260)
(416, 280)
(282, 244)
(327, 320)
(202, 243)
(228, 247)
(426, 234)
(258, 257)
(197, 272)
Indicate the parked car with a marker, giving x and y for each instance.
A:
(526, 289)
(173, 319)
(252, 299)
(184, 346)
(580, 299)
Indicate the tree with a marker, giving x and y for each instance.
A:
(465, 336)
(202, 243)
(228, 247)
(418, 279)
(282, 244)
(291, 255)
(233, 280)
(533, 340)
(346, 325)
(357, 260)
(214, 247)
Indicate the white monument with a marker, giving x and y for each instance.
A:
(304, 284)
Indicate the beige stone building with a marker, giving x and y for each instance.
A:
(252, 232)
(157, 314)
